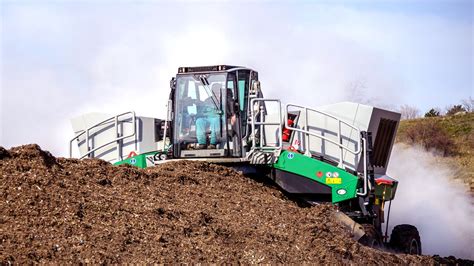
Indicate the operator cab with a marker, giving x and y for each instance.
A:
(209, 110)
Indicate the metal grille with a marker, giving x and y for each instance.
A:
(383, 141)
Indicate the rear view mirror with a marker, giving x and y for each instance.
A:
(255, 88)
(172, 83)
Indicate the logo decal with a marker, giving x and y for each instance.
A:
(290, 156)
(341, 191)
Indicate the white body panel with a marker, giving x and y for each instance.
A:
(363, 117)
(271, 132)
(142, 141)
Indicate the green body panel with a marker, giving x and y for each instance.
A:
(343, 184)
(141, 161)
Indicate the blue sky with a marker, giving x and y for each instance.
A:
(63, 58)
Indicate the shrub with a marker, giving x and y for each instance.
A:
(432, 113)
(455, 109)
(431, 136)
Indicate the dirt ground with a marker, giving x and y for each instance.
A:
(56, 210)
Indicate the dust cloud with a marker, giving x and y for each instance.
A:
(429, 198)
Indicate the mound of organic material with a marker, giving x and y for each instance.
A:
(68, 210)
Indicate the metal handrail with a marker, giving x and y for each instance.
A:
(115, 120)
(339, 143)
(263, 123)
(306, 131)
(324, 138)
(366, 183)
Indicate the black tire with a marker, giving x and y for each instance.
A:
(405, 238)
(371, 238)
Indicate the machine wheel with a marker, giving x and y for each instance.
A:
(163, 156)
(406, 239)
(159, 157)
(371, 238)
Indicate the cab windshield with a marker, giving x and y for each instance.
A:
(200, 111)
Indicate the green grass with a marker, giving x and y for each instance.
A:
(457, 131)
(459, 128)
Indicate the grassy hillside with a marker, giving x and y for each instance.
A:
(450, 137)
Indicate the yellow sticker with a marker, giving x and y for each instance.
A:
(333, 180)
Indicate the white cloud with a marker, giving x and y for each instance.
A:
(59, 61)
(34, 109)
(111, 58)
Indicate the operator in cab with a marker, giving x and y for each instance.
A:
(209, 117)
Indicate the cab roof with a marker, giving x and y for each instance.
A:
(216, 68)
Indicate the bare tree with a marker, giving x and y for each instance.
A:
(409, 112)
(356, 92)
(468, 104)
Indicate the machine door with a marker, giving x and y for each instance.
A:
(204, 121)
(234, 115)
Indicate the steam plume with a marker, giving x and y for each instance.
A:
(429, 198)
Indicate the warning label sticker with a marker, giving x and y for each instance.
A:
(333, 180)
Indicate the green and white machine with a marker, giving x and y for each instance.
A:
(335, 153)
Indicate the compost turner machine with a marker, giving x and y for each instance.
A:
(335, 153)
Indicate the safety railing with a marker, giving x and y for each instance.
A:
(115, 120)
(260, 115)
(307, 133)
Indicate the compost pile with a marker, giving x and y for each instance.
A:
(88, 211)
